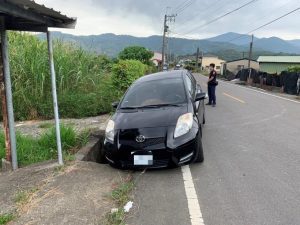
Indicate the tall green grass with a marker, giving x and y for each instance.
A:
(32, 150)
(83, 79)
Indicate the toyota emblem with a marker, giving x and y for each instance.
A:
(140, 138)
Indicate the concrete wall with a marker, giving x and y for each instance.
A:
(208, 60)
(236, 66)
(275, 68)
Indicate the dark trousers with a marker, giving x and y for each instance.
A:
(212, 94)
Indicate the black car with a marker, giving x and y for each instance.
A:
(158, 123)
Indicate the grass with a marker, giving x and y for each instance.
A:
(32, 150)
(5, 218)
(46, 125)
(83, 79)
(22, 196)
(120, 195)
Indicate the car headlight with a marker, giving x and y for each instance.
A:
(184, 124)
(110, 130)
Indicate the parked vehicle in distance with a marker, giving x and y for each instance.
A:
(177, 67)
(165, 67)
(158, 123)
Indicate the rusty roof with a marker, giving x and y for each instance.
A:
(26, 15)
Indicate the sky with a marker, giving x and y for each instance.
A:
(145, 17)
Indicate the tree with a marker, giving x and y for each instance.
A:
(136, 53)
(125, 72)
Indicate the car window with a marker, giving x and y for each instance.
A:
(156, 92)
(190, 85)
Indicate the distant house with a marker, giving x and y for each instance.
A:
(206, 60)
(235, 66)
(277, 64)
(157, 59)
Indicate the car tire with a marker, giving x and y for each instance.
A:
(199, 156)
(203, 121)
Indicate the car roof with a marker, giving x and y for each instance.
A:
(162, 75)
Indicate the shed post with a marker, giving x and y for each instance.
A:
(9, 99)
(54, 96)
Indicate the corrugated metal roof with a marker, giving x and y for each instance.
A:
(29, 16)
(279, 59)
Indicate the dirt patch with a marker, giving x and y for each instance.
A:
(77, 196)
(35, 128)
(48, 194)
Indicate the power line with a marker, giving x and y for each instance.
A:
(178, 7)
(264, 25)
(207, 9)
(179, 11)
(222, 16)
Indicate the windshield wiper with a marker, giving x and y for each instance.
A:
(159, 105)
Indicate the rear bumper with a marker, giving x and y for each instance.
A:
(181, 154)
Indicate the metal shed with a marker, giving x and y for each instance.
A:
(26, 15)
(277, 64)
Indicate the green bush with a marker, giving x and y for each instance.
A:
(294, 69)
(32, 150)
(137, 53)
(125, 72)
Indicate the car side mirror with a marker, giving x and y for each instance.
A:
(115, 104)
(200, 96)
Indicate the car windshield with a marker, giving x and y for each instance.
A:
(161, 92)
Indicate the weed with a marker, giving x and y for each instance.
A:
(5, 218)
(120, 195)
(46, 125)
(22, 197)
(32, 150)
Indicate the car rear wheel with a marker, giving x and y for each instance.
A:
(199, 156)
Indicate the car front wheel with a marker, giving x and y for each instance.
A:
(199, 156)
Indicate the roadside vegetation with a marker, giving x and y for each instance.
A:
(87, 83)
(120, 195)
(6, 218)
(33, 150)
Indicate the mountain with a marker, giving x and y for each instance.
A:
(226, 45)
(273, 44)
(233, 38)
(112, 44)
(295, 42)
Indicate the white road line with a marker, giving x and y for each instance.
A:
(262, 92)
(190, 191)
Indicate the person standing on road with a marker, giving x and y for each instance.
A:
(211, 85)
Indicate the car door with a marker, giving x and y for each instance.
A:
(192, 89)
(199, 106)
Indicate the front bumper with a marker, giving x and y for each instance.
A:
(176, 152)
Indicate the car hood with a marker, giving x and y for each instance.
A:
(160, 117)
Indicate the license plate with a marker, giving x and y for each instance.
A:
(143, 160)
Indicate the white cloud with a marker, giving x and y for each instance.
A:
(144, 17)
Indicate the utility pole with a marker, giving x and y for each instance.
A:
(249, 61)
(197, 58)
(5, 117)
(168, 18)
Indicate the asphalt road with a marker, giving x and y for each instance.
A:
(251, 172)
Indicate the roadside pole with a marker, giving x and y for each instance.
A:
(197, 59)
(249, 81)
(12, 153)
(54, 95)
(4, 115)
(168, 18)
(164, 43)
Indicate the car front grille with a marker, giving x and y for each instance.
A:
(147, 143)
